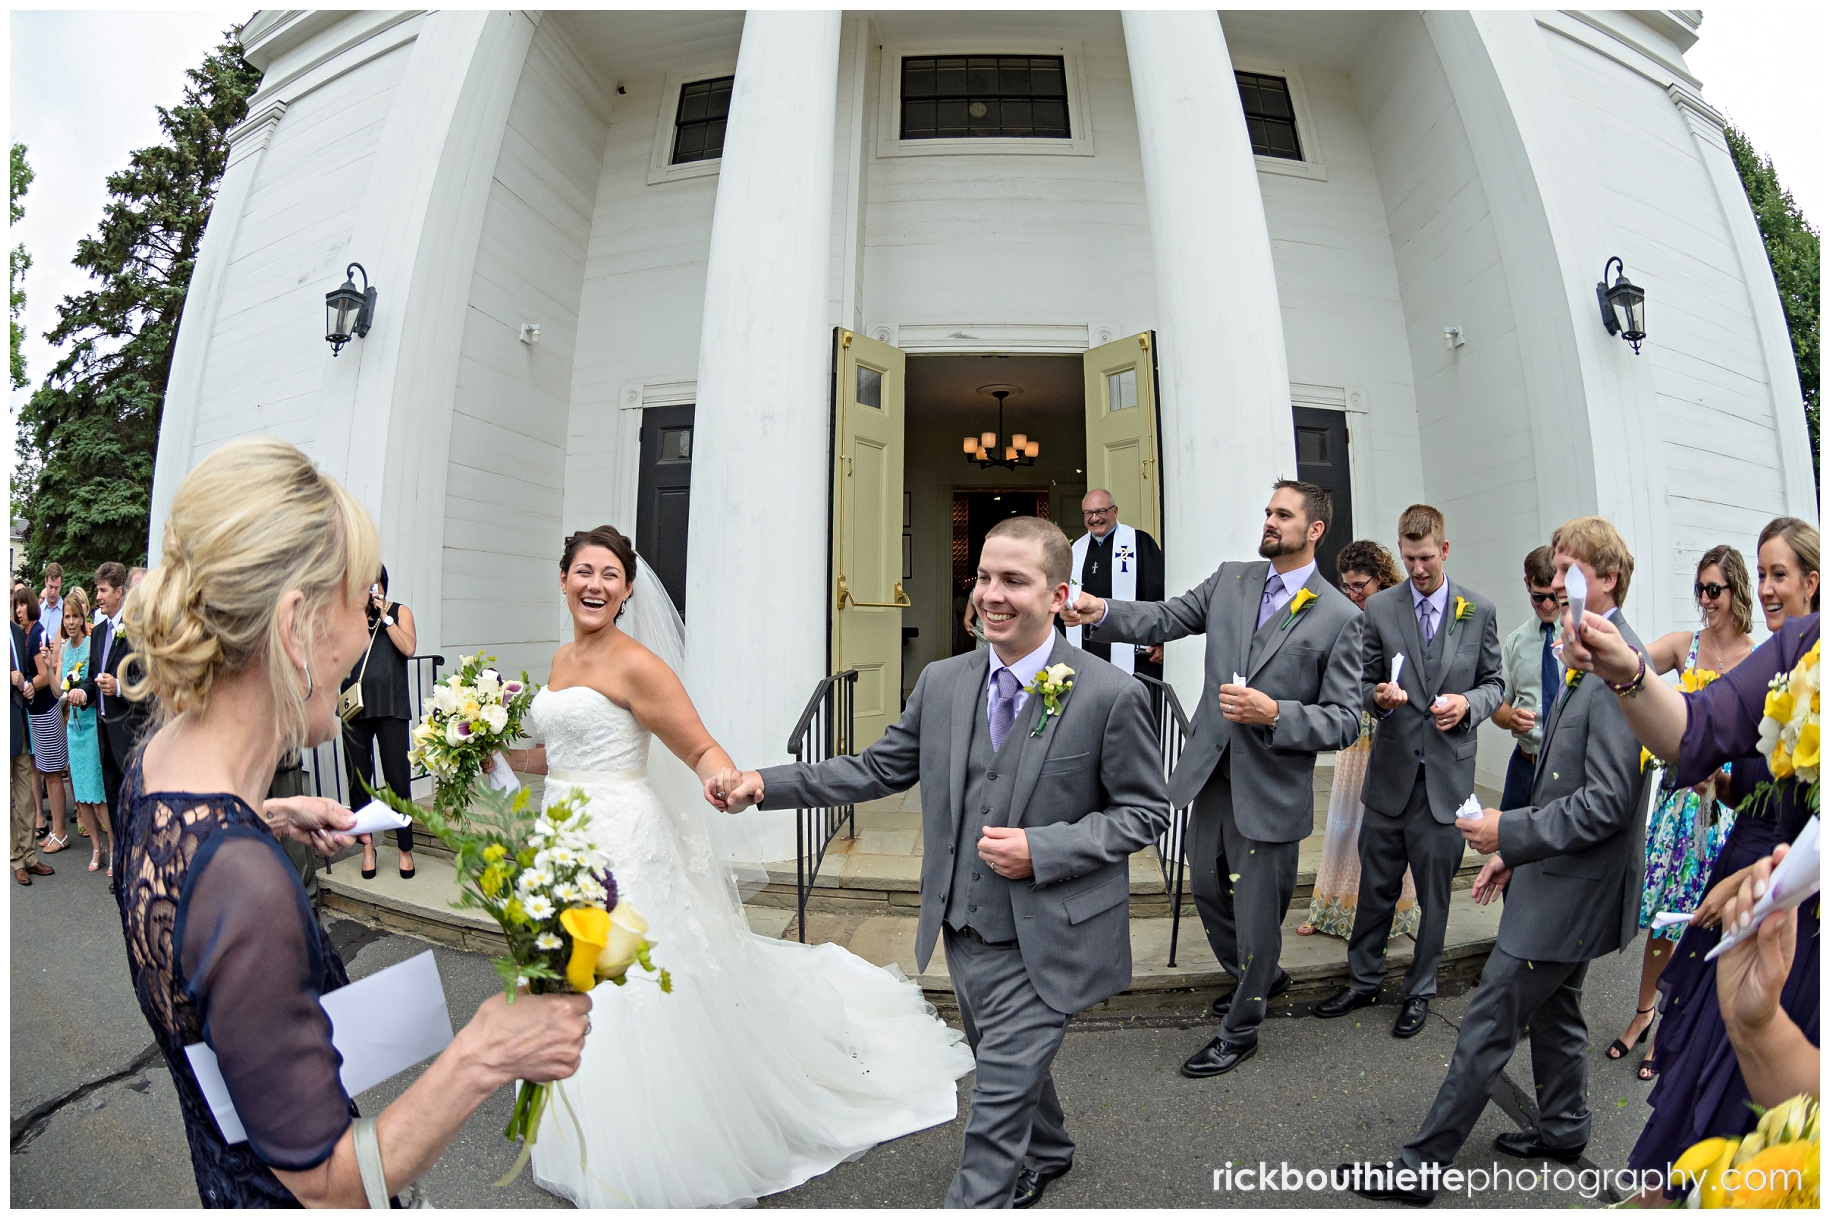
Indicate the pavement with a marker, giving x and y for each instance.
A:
(96, 1121)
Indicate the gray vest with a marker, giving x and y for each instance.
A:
(980, 898)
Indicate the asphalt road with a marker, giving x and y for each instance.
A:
(96, 1121)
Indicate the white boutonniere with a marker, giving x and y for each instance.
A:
(1051, 685)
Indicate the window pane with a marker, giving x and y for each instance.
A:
(982, 77)
(984, 96)
(676, 444)
(1121, 390)
(1051, 119)
(1015, 117)
(1311, 446)
(1269, 115)
(917, 120)
(699, 120)
(917, 82)
(870, 387)
(1047, 79)
(721, 99)
(950, 119)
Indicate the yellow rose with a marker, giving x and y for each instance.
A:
(1781, 762)
(589, 928)
(1779, 705)
(1786, 1173)
(628, 932)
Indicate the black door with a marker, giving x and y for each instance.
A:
(1321, 458)
(663, 492)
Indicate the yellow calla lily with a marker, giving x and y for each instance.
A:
(1713, 1192)
(589, 928)
(626, 932)
(1698, 1157)
(1805, 755)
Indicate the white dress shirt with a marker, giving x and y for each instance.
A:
(1293, 582)
(1024, 671)
(1439, 603)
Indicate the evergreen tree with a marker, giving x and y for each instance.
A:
(1792, 249)
(88, 436)
(18, 262)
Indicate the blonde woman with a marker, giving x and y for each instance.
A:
(241, 634)
(81, 732)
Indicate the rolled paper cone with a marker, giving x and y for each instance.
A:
(1397, 667)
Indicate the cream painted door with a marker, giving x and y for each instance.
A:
(1122, 429)
(867, 528)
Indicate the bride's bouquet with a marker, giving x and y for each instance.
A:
(469, 718)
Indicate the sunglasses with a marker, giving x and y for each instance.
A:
(1543, 598)
(1712, 591)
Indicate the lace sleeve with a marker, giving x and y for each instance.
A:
(251, 968)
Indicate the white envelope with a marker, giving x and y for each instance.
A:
(382, 1025)
(1795, 879)
(374, 817)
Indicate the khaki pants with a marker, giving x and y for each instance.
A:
(25, 844)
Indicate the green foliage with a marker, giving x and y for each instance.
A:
(1792, 249)
(88, 436)
(18, 261)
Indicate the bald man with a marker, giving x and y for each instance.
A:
(1118, 563)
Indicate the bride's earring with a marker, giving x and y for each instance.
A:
(623, 606)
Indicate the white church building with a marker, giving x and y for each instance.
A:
(756, 288)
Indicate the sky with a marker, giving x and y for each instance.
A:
(84, 84)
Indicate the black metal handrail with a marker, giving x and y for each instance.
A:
(1172, 729)
(325, 763)
(826, 729)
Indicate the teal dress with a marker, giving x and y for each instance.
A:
(82, 734)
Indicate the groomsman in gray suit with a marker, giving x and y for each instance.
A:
(1575, 860)
(1422, 765)
(1249, 764)
(1032, 804)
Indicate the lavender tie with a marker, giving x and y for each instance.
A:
(1003, 707)
(1268, 606)
(1426, 620)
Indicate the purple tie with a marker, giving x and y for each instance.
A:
(1003, 706)
(1426, 620)
(1268, 606)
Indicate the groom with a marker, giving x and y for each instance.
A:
(1030, 815)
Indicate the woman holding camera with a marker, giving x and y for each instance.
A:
(386, 712)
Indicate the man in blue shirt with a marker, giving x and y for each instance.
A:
(1529, 668)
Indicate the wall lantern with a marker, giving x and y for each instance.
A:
(1623, 307)
(348, 310)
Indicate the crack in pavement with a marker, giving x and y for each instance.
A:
(30, 1124)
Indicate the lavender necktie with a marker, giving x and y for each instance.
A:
(1003, 707)
(1426, 620)
(1268, 606)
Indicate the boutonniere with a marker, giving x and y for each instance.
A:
(1571, 679)
(1051, 685)
(1464, 608)
(1298, 604)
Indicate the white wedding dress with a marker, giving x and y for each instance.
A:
(770, 1062)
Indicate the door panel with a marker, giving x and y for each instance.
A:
(867, 527)
(1322, 458)
(1122, 437)
(663, 493)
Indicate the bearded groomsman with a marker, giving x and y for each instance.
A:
(1422, 767)
(1117, 562)
(1282, 685)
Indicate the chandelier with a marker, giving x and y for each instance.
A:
(1021, 451)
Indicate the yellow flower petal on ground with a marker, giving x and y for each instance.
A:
(589, 928)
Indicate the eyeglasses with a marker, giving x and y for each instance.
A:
(1712, 591)
(1543, 598)
(1111, 508)
(1358, 586)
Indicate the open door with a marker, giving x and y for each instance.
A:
(867, 528)
(1122, 437)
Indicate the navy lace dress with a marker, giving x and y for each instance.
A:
(1700, 1092)
(223, 949)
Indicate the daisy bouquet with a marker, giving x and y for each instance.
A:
(469, 717)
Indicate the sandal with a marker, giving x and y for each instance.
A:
(1305, 928)
(1648, 1069)
(95, 858)
(63, 843)
(1620, 1049)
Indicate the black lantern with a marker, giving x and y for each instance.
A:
(1623, 307)
(980, 450)
(348, 310)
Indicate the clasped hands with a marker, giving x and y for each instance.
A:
(1448, 710)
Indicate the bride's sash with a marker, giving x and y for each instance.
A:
(581, 778)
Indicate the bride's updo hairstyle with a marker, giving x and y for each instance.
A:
(252, 521)
(610, 538)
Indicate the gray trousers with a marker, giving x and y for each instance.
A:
(1388, 845)
(1243, 917)
(1547, 995)
(1014, 1036)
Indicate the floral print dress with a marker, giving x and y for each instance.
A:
(1679, 853)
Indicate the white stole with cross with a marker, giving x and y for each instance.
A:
(1124, 585)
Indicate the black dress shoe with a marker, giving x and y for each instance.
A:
(1411, 1018)
(1031, 1183)
(1224, 1003)
(1217, 1057)
(1380, 1185)
(1348, 1000)
(1526, 1145)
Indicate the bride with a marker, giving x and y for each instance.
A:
(771, 1061)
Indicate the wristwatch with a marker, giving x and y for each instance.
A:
(386, 620)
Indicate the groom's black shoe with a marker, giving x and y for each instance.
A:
(1224, 1003)
(1526, 1145)
(1218, 1057)
(1031, 1182)
(1411, 1018)
(1346, 1001)
(1380, 1185)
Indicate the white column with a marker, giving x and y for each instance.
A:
(756, 584)
(1225, 381)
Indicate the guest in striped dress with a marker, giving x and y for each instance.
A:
(47, 723)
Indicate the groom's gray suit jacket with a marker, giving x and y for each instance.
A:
(1088, 792)
(1311, 666)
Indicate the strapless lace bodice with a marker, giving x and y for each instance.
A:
(584, 731)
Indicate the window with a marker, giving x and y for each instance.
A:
(870, 387)
(948, 97)
(676, 445)
(699, 120)
(1121, 390)
(1269, 115)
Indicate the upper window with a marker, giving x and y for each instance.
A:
(699, 120)
(947, 97)
(1269, 116)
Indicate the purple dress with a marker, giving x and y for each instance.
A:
(1700, 1092)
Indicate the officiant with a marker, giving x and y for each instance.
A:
(1115, 562)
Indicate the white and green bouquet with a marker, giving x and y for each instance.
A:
(470, 717)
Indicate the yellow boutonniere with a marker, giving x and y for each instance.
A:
(1051, 685)
(1298, 604)
(1464, 608)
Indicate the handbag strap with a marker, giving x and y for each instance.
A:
(368, 1162)
(373, 635)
